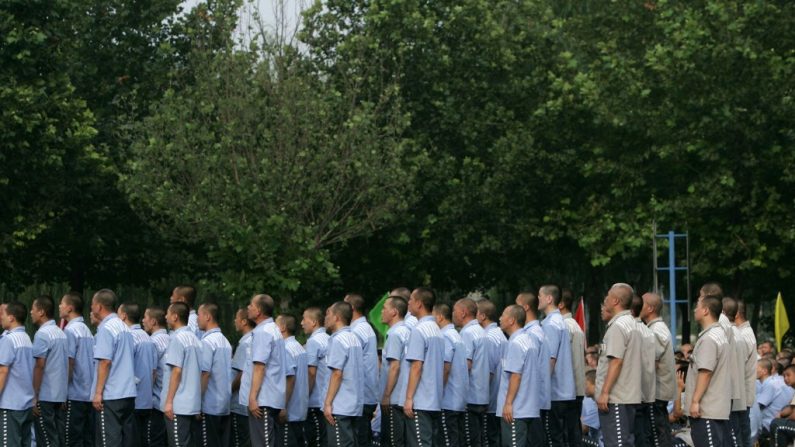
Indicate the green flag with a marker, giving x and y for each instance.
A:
(375, 318)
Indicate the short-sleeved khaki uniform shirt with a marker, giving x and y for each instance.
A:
(745, 334)
(648, 379)
(623, 341)
(711, 353)
(577, 337)
(665, 362)
(737, 375)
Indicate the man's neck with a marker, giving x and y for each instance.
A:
(466, 320)
(356, 316)
(707, 322)
(549, 309)
(529, 318)
(13, 326)
(394, 322)
(177, 327)
(156, 328)
(209, 327)
(486, 323)
(421, 314)
(72, 316)
(261, 319)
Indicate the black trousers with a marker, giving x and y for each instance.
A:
(141, 420)
(291, 434)
(212, 431)
(114, 424)
(451, 433)
(239, 436)
(475, 427)
(661, 435)
(710, 432)
(315, 428)
(79, 424)
(564, 423)
(741, 427)
(393, 426)
(364, 432)
(423, 430)
(343, 432)
(181, 431)
(16, 426)
(783, 432)
(494, 432)
(522, 432)
(156, 430)
(264, 431)
(49, 424)
(643, 426)
(617, 425)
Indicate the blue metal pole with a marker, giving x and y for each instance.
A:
(672, 282)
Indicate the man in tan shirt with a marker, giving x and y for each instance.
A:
(665, 389)
(644, 430)
(708, 384)
(745, 334)
(618, 377)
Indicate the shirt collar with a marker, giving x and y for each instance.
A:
(48, 323)
(211, 331)
(290, 338)
(472, 323)
(318, 331)
(134, 327)
(75, 320)
(341, 330)
(427, 318)
(183, 329)
(18, 329)
(491, 325)
(708, 328)
(359, 320)
(515, 334)
(530, 324)
(396, 325)
(566, 315)
(110, 315)
(192, 312)
(617, 316)
(656, 320)
(744, 325)
(449, 326)
(265, 321)
(160, 331)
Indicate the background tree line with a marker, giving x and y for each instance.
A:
(467, 145)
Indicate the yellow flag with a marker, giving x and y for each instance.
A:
(782, 322)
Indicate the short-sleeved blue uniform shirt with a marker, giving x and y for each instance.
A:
(267, 347)
(475, 343)
(50, 343)
(426, 345)
(296, 361)
(495, 342)
(362, 329)
(16, 353)
(559, 345)
(520, 357)
(114, 342)
(217, 361)
(80, 348)
(534, 329)
(397, 338)
(145, 355)
(316, 348)
(184, 352)
(455, 391)
(160, 339)
(345, 354)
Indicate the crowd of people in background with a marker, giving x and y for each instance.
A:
(463, 373)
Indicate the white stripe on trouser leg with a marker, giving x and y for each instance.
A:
(235, 431)
(265, 426)
(444, 430)
(391, 416)
(484, 433)
(317, 429)
(286, 432)
(653, 427)
(709, 432)
(40, 420)
(204, 430)
(5, 428)
(417, 427)
(176, 431)
(337, 431)
(102, 427)
(466, 428)
(546, 428)
(617, 414)
(68, 423)
(513, 433)
(149, 429)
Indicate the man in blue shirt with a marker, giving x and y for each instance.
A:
(529, 302)
(516, 403)
(50, 373)
(292, 418)
(264, 377)
(393, 421)
(456, 378)
(145, 356)
(362, 329)
(216, 385)
(16, 369)
(464, 315)
(404, 292)
(317, 374)
(114, 383)
(180, 399)
(345, 394)
(79, 427)
(495, 340)
(425, 355)
(240, 430)
(562, 422)
(154, 323)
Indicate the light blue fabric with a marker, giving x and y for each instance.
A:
(316, 349)
(773, 396)
(145, 356)
(590, 413)
(426, 344)
(520, 357)
(238, 366)
(362, 329)
(216, 359)
(495, 343)
(114, 342)
(80, 347)
(455, 391)
(474, 338)
(193, 324)
(397, 338)
(16, 352)
(559, 346)
(267, 347)
(533, 329)
(49, 343)
(345, 354)
(160, 339)
(297, 366)
(184, 351)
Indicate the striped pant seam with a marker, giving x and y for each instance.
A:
(617, 414)
(68, 421)
(40, 421)
(102, 428)
(444, 430)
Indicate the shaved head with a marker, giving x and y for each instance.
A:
(652, 299)
(624, 292)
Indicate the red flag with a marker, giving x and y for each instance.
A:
(579, 316)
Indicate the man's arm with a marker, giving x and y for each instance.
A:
(288, 393)
(614, 366)
(205, 381)
(38, 375)
(446, 372)
(391, 381)
(702, 382)
(414, 380)
(311, 374)
(236, 381)
(103, 370)
(71, 369)
(335, 381)
(173, 384)
(3, 377)
(257, 374)
(513, 388)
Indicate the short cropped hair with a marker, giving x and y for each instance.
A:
(106, 298)
(289, 323)
(17, 310)
(316, 314)
(74, 299)
(133, 312)
(399, 304)
(713, 304)
(444, 310)
(426, 297)
(567, 298)
(213, 310)
(637, 306)
(181, 310)
(356, 301)
(158, 314)
(529, 299)
(488, 309)
(402, 292)
(730, 307)
(45, 304)
(343, 311)
(552, 290)
(468, 305)
(264, 303)
(625, 293)
(189, 292)
(713, 288)
(517, 313)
